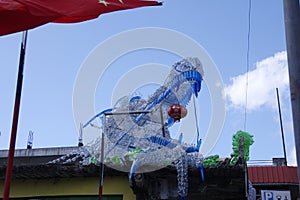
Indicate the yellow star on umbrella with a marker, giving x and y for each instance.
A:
(104, 2)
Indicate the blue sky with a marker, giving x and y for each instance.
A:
(55, 53)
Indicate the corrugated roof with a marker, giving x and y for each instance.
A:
(273, 174)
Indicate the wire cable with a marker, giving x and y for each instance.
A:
(247, 60)
(196, 119)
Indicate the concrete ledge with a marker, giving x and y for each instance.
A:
(54, 151)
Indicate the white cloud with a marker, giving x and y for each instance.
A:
(292, 160)
(268, 74)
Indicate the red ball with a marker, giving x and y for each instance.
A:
(177, 111)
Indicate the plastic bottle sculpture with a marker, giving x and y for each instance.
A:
(140, 135)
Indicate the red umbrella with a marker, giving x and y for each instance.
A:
(20, 15)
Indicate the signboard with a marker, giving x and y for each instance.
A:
(275, 195)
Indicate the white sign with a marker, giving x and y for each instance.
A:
(275, 195)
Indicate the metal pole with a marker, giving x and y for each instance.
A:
(281, 127)
(14, 128)
(129, 112)
(102, 159)
(292, 29)
(80, 141)
(162, 122)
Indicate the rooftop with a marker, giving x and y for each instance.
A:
(273, 174)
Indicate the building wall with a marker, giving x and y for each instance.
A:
(69, 186)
